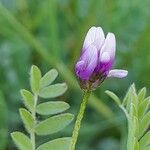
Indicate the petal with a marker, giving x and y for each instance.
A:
(85, 70)
(118, 73)
(109, 46)
(105, 57)
(94, 36)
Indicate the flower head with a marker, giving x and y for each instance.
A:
(97, 58)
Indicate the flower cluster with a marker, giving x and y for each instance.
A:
(97, 58)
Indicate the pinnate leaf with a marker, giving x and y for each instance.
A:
(53, 90)
(35, 79)
(21, 141)
(48, 78)
(50, 108)
(57, 144)
(53, 124)
(28, 99)
(27, 119)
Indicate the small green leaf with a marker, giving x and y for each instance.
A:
(57, 144)
(141, 94)
(28, 99)
(114, 97)
(27, 119)
(127, 99)
(53, 90)
(144, 123)
(132, 98)
(133, 110)
(147, 148)
(145, 140)
(143, 107)
(50, 108)
(21, 141)
(35, 79)
(53, 124)
(48, 78)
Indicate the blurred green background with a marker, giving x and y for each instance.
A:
(50, 33)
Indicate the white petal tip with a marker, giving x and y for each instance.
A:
(118, 73)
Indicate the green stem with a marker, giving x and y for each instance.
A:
(32, 134)
(130, 140)
(79, 119)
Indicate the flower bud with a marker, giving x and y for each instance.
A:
(96, 59)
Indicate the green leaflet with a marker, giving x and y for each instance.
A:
(27, 119)
(48, 78)
(50, 108)
(144, 123)
(143, 107)
(28, 99)
(53, 90)
(147, 148)
(57, 144)
(54, 124)
(145, 140)
(142, 94)
(21, 141)
(35, 78)
(114, 97)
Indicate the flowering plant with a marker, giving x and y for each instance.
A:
(93, 67)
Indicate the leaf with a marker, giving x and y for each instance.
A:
(57, 144)
(53, 124)
(132, 98)
(145, 140)
(133, 110)
(28, 99)
(114, 97)
(144, 123)
(143, 107)
(35, 79)
(27, 119)
(48, 78)
(127, 100)
(50, 108)
(21, 141)
(147, 148)
(141, 94)
(53, 90)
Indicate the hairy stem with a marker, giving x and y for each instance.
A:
(79, 119)
(32, 134)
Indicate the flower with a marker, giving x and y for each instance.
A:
(97, 58)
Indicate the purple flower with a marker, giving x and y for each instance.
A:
(97, 58)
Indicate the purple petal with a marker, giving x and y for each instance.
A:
(94, 36)
(109, 46)
(118, 73)
(87, 63)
